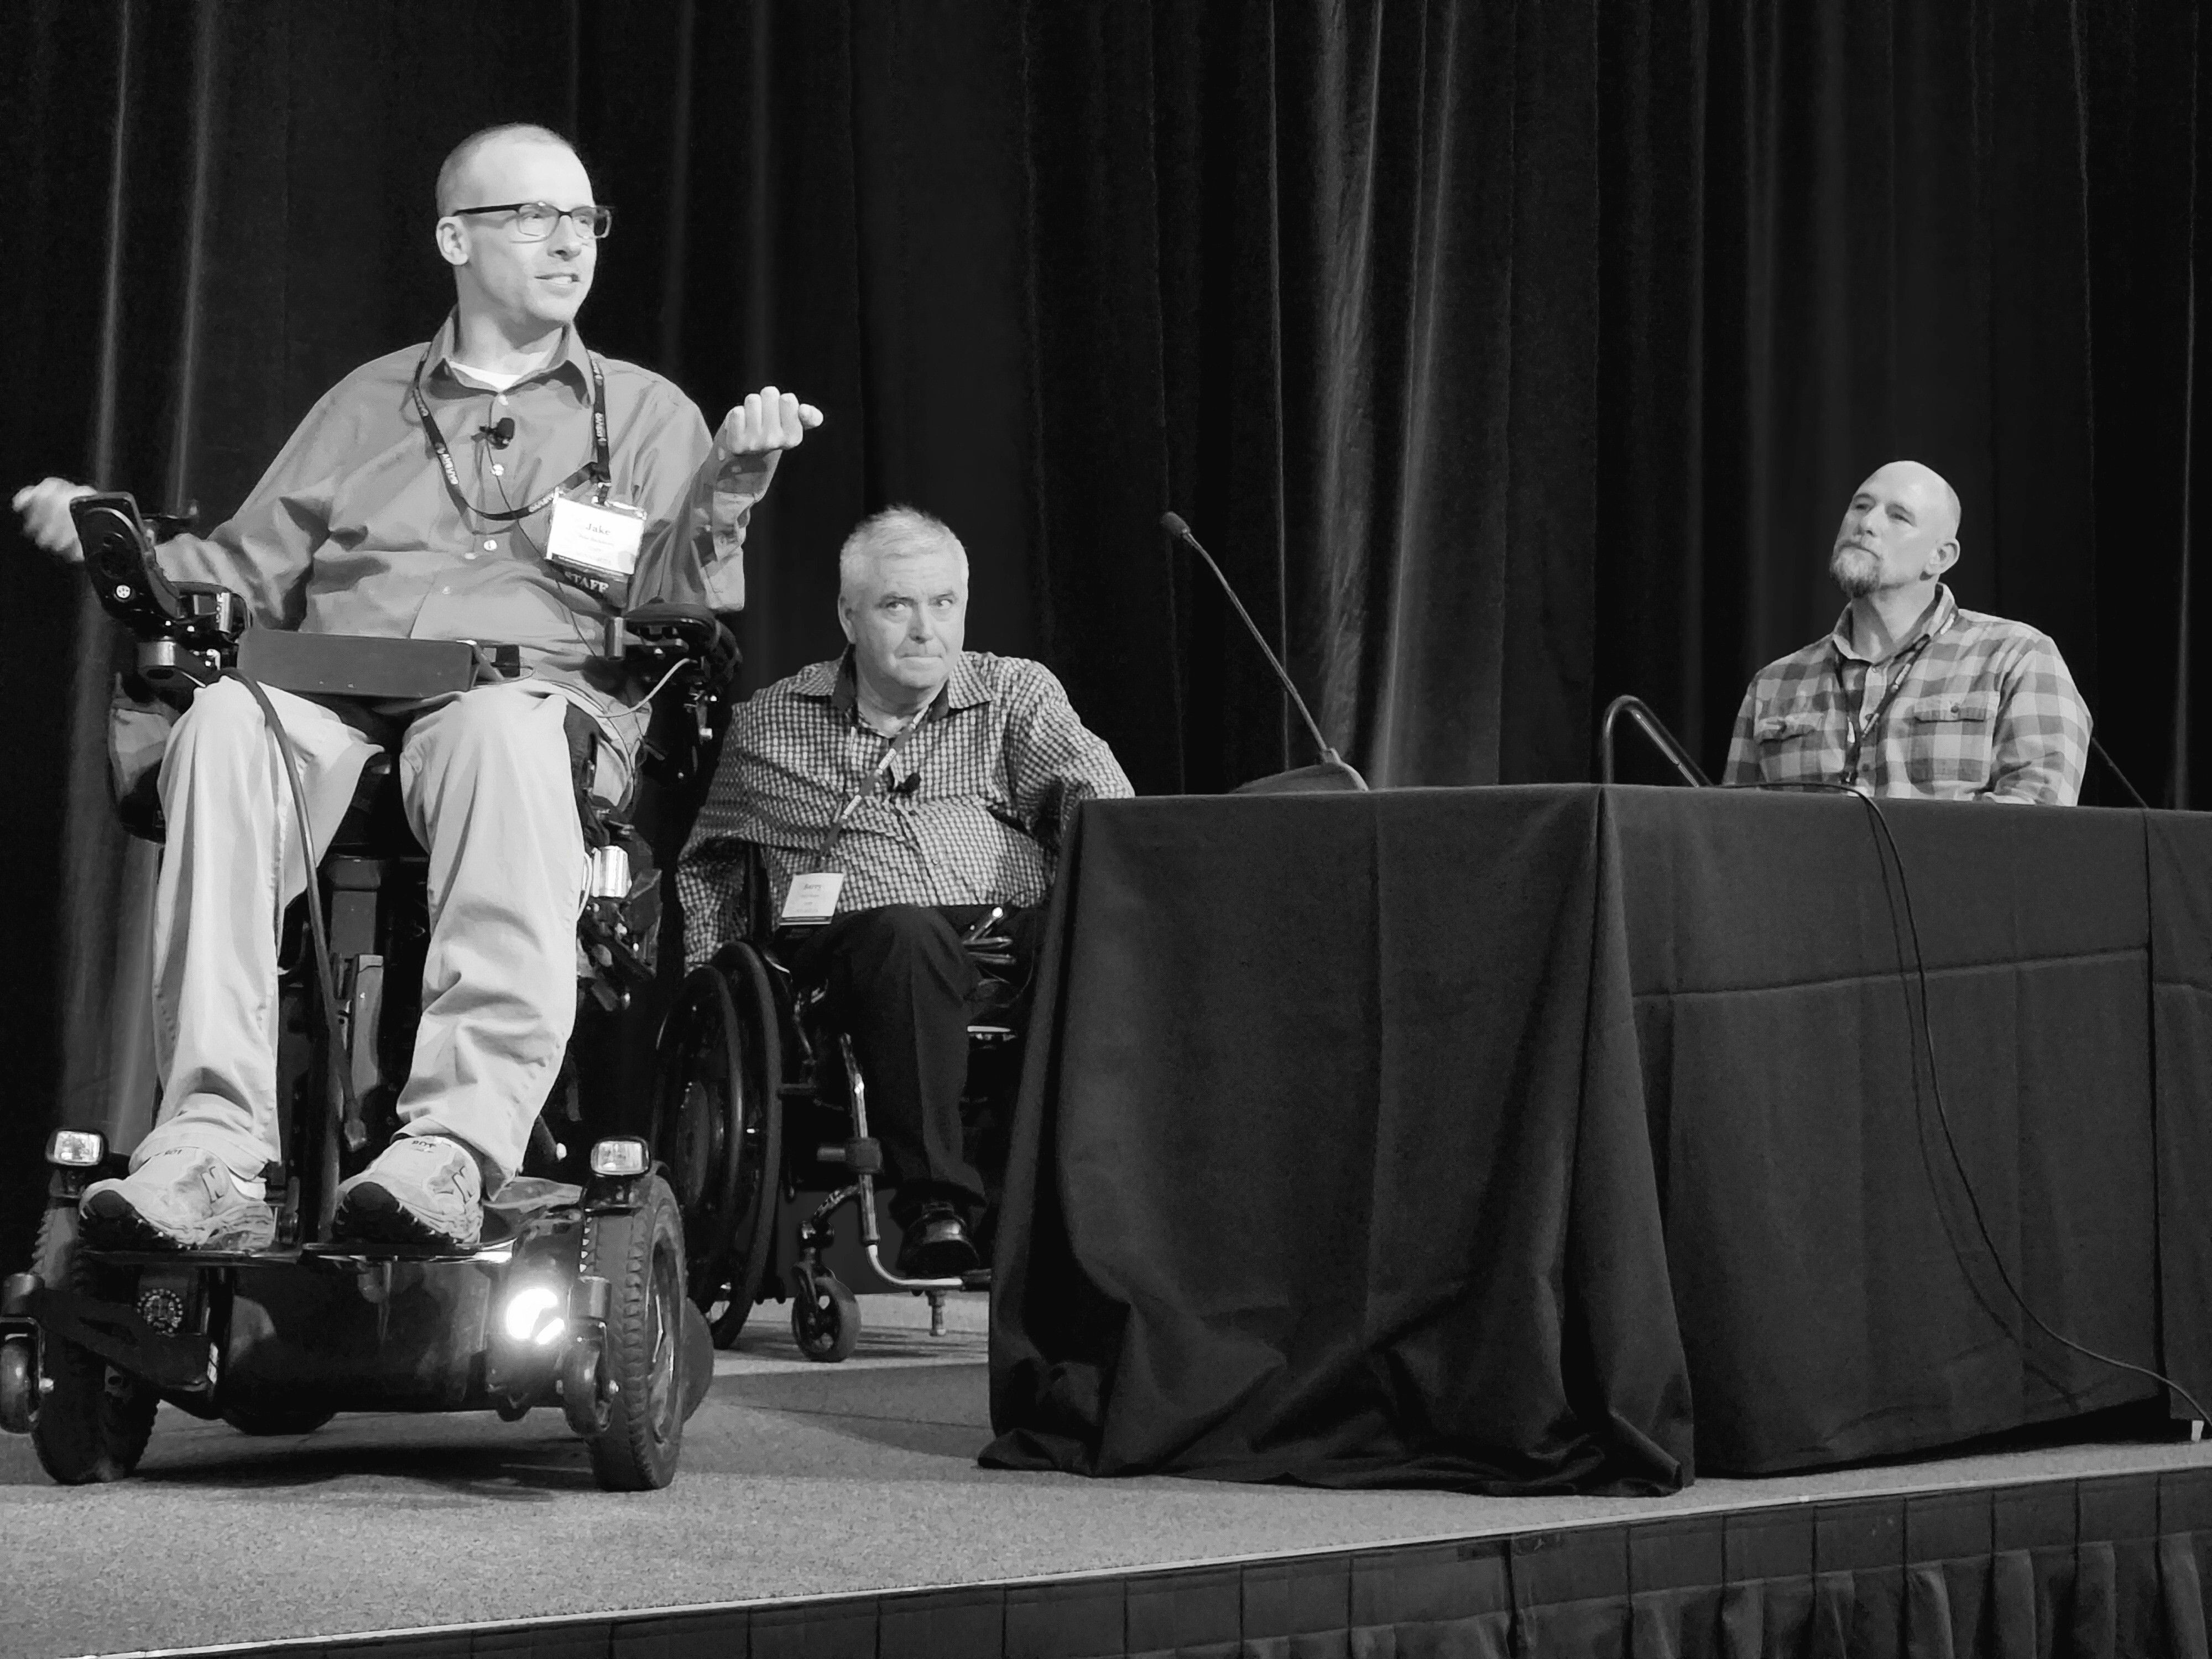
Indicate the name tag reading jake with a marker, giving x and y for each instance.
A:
(813, 899)
(595, 545)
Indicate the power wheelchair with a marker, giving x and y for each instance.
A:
(760, 1112)
(576, 1295)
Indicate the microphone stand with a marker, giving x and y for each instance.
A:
(1333, 772)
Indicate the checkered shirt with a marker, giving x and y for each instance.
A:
(972, 810)
(1983, 710)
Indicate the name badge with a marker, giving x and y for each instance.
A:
(812, 898)
(596, 544)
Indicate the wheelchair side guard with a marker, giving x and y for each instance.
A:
(176, 1361)
(619, 930)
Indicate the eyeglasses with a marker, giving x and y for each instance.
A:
(534, 220)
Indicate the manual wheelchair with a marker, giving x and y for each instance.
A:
(759, 1115)
(577, 1292)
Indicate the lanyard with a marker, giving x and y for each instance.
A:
(1868, 728)
(891, 752)
(599, 466)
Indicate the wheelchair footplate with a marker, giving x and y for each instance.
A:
(574, 1298)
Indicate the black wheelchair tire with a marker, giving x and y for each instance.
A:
(276, 1420)
(93, 1424)
(580, 1392)
(826, 1327)
(640, 1255)
(729, 1254)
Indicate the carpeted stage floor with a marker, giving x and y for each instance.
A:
(798, 1480)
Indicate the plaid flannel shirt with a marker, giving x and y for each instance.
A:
(972, 809)
(1979, 708)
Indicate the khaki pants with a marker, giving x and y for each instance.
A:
(485, 778)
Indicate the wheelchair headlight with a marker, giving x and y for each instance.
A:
(77, 1149)
(625, 1155)
(530, 1316)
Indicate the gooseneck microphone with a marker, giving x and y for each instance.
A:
(2113, 767)
(1333, 772)
(1639, 713)
(502, 434)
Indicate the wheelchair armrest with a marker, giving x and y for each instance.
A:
(193, 617)
(656, 637)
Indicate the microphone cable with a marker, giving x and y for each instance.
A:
(1884, 835)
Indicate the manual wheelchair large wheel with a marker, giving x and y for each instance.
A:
(640, 1255)
(718, 1127)
(93, 1421)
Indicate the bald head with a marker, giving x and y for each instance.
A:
(1923, 486)
(1900, 531)
(507, 287)
(456, 175)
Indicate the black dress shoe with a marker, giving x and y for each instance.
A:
(936, 1245)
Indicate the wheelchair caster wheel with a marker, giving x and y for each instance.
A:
(827, 1324)
(581, 1400)
(19, 1383)
(93, 1421)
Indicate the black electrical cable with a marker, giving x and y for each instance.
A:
(1936, 1088)
(316, 928)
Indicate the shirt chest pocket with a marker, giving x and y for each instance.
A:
(1949, 737)
(1792, 744)
(1787, 726)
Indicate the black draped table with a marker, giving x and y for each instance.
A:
(1558, 1137)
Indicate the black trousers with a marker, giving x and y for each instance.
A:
(898, 981)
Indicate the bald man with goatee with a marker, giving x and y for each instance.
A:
(1911, 694)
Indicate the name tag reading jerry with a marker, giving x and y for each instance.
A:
(598, 544)
(812, 898)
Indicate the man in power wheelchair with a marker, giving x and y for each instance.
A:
(369, 555)
(862, 888)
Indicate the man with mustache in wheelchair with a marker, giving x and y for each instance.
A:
(500, 484)
(896, 796)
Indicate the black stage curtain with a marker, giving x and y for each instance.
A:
(1508, 356)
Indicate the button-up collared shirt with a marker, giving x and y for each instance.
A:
(1971, 707)
(972, 808)
(354, 530)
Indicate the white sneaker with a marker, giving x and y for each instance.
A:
(424, 1190)
(180, 1199)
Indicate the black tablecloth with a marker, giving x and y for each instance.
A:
(1467, 1137)
(1836, 1297)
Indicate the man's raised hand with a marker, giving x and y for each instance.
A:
(767, 420)
(44, 507)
